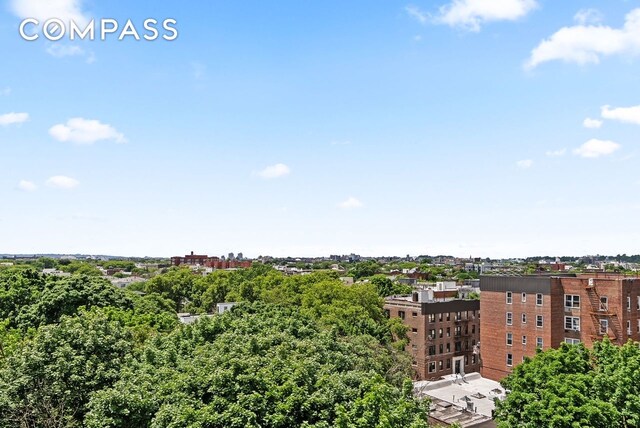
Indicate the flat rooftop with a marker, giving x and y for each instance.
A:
(452, 397)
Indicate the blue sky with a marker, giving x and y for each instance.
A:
(314, 128)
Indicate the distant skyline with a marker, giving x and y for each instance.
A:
(492, 129)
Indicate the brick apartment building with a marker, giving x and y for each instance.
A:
(523, 313)
(443, 333)
(206, 261)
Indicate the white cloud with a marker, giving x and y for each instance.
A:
(350, 203)
(472, 14)
(584, 44)
(66, 10)
(341, 143)
(417, 14)
(595, 148)
(27, 186)
(274, 171)
(198, 70)
(622, 114)
(556, 153)
(13, 118)
(85, 131)
(588, 16)
(592, 123)
(60, 51)
(5, 91)
(62, 182)
(524, 164)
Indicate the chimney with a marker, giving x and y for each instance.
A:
(192, 253)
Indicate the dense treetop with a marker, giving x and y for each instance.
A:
(296, 351)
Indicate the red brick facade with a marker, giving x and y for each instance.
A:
(206, 261)
(548, 310)
(442, 335)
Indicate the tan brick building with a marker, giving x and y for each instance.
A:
(523, 313)
(443, 333)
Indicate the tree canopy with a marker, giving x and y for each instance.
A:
(575, 387)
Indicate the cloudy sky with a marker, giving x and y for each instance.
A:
(465, 127)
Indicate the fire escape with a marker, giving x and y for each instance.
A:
(600, 311)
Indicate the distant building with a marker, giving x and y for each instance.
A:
(523, 313)
(443, 334)
(224, 307)
(212, 262)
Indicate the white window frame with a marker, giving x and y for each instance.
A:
(539, 299)
(539, 321)
(509, 339)
(605, 323)
(509, 319)
(524, 297)
(509, 297)
(509, 360)
(573, 322)
(628, 327)
(524, 318)
(524, 339)
(571, 341)
(604, 304)
(539, 342)
(572, 301)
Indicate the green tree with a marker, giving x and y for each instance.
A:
(49, 380)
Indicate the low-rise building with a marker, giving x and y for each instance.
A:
(443, 334)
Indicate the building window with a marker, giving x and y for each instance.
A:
(509, 318)
(509, 297)
(604, 326)
(638, 326)
(432, 334)
(414, 330)
(571, 341)
(441, 348)
(509, 339)
(571, 301)
(448, 316)
(509, 360)
(473, 329)
(539, 299)
(572, 323)
(448, 347)
(458, 316)
(432, 317)
(440, 317)
(524, 297)
(440, 333)
(401, 314)
(414, 347)
(432, 349)
(538, 342)
(524, 318)
(414, 314)
(604, 303)
(638, 303)
(473, 359)
(628, 328)
(539, 321)
(458, 346)
(440, 365)
(448, 331)
(432, 367)
(448, 363)
(524, 340)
